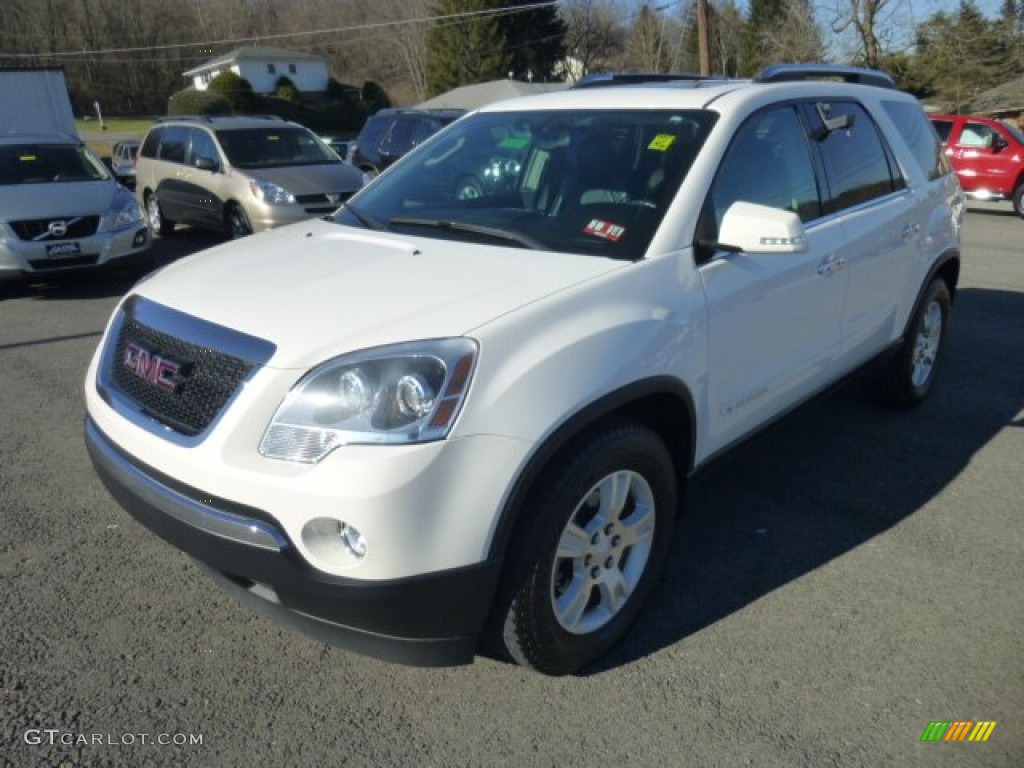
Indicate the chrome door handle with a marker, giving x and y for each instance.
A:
(830, 265)
(910, 231)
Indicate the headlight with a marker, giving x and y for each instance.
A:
(125, 211)
(269, 192)
(406, 393)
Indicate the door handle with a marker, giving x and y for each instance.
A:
(910, 231)
(831, 264)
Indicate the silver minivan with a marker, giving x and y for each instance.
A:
(238, 174)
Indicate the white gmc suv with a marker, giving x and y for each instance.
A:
(465, 407)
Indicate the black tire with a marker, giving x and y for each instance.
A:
(158, 223)
(236, 223)
(908, 378)
(557, 613)
(1018, 199)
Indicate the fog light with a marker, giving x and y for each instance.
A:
(353, 540)
(332, 544)
(140, 238)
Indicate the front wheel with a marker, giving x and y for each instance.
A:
(597, 529)
(158, 223)
(908, 378)
(236, 223)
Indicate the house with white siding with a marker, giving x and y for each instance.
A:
(262, 67)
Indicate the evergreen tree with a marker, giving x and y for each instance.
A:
(763, 18)
(465, 50)
(960, 56)
(535, 40)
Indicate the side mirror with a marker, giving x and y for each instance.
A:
(205, 163)
(752, 228)
(999, 143)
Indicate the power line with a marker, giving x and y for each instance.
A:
(288, 35)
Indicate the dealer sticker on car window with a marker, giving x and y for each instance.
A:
(662, 142)
(604, 229)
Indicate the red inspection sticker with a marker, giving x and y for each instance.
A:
(604, 229)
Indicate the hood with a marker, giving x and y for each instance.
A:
(311, 179)
(19, 202)
(318, 289)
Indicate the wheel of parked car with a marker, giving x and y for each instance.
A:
(236, 222)
(597, 529)
(909, 376)
(160, 224)
(1018, 199)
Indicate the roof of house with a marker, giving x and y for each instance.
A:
(480, 94)
(252, 53)
(1005, 97)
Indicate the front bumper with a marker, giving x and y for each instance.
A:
(429, 620)
(28, 257)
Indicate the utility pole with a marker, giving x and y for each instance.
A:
(703, 47)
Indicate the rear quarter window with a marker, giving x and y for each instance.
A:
(920, 136)
(943, 128)
(151, 143)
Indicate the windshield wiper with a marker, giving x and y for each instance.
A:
(366, 219)
(477, 229)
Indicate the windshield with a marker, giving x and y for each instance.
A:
(591, 182)
(274, 147)
(49, 163)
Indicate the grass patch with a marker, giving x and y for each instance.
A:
(95, 136)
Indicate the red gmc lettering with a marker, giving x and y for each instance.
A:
(149, 367)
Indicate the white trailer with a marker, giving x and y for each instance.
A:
(35, 100)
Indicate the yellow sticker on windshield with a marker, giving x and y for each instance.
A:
(662, 142)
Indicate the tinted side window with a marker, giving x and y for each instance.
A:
(151, 143)
(373, 131)
(203, 147)
(920, 136)
(400, 140)
(857, 164)
(175, 144)
(943, 128)
(768, 162)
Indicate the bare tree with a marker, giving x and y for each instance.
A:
(873, 24)
(595, 36)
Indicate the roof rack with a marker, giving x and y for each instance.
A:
(780, 73)
(634, 78)
(211, 118)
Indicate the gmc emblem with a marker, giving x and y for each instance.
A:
(168, 374)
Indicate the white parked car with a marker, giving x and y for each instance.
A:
(440, 419)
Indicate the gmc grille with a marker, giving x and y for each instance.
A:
(211, 380)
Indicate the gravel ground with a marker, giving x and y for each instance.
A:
(835, 587)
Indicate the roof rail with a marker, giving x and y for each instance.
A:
(211, 118)
(634, 78)
(780, 73)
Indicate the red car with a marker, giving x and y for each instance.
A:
(987, 155)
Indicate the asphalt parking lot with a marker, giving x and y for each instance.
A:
(836, 587)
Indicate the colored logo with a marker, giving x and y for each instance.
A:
(958, 730)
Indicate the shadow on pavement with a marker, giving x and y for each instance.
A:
(113, 280)
(831, 478)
